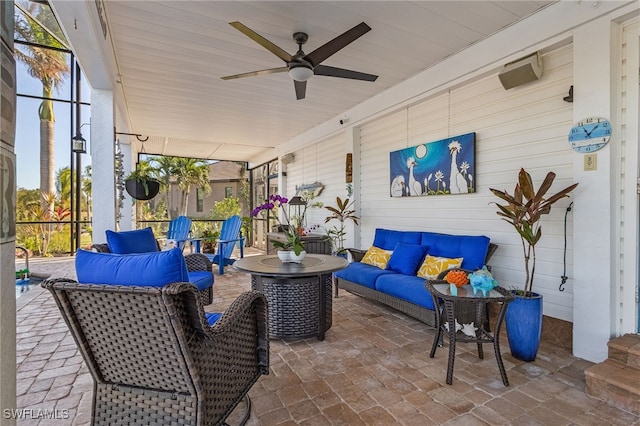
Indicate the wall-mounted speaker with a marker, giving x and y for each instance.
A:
(522, 71)
(288, 158)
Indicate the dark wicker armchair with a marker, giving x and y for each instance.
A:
(155, 359)
(195, 262)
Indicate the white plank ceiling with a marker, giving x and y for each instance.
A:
(171, 54)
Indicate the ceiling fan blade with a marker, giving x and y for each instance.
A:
(254, 73)
(343, 73)
(331, 47)
(279, 52)
(301, 89)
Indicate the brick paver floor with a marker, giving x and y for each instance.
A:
(373, 368)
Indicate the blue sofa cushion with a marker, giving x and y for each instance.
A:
(363, 274)
(387, 239)
(137, 241)
(138, 269)
(405, 287)
(472, 248)
(406, 258)
(201, 279)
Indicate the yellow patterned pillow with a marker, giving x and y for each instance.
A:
(433, 265)
(376, 257)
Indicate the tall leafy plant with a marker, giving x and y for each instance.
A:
(524, 210)
(342, 212)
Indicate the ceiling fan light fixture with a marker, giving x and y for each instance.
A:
(301, 73)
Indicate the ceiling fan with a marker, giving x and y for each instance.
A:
(301, 66)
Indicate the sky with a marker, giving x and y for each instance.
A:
(27, 141)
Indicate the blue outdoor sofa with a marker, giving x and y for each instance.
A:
(397, 285)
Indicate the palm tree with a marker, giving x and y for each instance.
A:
(50, 67)
(164, 166)
(190, 171)
(86, 189)
(63, 184)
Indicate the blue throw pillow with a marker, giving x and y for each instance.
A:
(138, 269)
(406, 258)
(138, 241)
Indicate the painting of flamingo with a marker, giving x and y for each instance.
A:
(441, 167)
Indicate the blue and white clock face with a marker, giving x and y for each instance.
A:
(590, 134)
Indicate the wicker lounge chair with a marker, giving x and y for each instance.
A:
(155, 359)
(197, 263)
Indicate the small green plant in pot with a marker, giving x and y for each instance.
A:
(141, 183)
(523, 210)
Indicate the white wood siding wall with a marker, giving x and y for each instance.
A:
(523, 127)
(323, 162)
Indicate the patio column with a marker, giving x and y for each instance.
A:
(593, 263)
(103, 163)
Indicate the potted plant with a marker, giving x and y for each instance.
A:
(342, 212)
(140, 183)
(523, 211)
(209, 238)
(292, 249)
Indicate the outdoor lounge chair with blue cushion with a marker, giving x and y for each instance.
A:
(229, 236)
(151, 350)
(199, 268)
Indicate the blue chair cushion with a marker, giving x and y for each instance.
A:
(361, 273)
(138, 269)
(387, 239)
(406, 258)
(137, 241)
(472, 248)
(405, 287)
(212, 317)
(201, 279)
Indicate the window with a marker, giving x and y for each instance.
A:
(228, 192)
(199, 200)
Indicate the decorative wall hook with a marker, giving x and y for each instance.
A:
(137, 135)
(570, 97)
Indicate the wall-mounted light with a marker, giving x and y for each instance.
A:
(79, 144)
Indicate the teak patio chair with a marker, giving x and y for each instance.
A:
(155, 359)
(229, 236)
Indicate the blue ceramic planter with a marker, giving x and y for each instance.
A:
(524, 326)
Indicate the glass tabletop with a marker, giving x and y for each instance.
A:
(443, 290)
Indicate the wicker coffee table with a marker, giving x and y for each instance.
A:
(299, 295)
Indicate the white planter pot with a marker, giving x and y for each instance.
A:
(284, 255)
(297, 259)
(290, 256)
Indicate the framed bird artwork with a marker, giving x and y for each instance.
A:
(441, 167)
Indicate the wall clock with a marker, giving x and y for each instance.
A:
(590, 134)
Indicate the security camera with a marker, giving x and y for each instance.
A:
(342, 121)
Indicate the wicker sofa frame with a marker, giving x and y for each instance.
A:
(153, 357)
(194, 261)
(464, 313)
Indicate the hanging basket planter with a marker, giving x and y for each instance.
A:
(142, 191)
